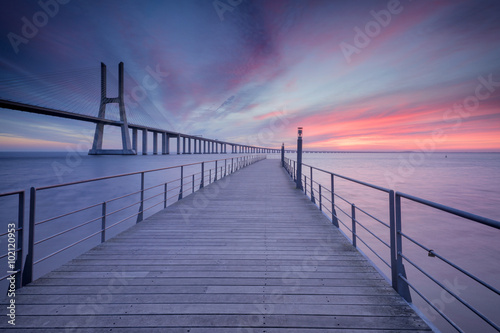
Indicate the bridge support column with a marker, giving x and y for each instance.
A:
(144, 142)
(155, 143)
(165, 144)
(178, 144)
(184, 145)
(99, 130)
(134, 139)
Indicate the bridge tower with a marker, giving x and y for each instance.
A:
(99, 129)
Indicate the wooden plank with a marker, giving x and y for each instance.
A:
(248, 253)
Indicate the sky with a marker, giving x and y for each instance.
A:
(356, 75)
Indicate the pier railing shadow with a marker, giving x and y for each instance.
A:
(385, 238)
(90, 222)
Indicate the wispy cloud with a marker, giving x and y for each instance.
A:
(227, 78)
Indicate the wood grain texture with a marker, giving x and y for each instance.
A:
(248, 253)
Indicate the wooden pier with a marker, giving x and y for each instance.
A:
(249, 253)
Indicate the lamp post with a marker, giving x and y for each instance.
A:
(299, 160)
(283, 155)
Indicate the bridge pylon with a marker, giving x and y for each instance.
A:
(99, 129)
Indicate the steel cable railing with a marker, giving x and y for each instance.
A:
(400, 282)
(145, 199)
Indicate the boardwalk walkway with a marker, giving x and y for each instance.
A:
(248, 253)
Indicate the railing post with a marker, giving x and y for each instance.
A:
(225, 167)
(192, 189)
(202, 174)
(283, 155)
(320, 199)
(28, 265)
(182, 182)
(305, 185)
(165, 196)
(232, 165)
(141, 207)
(353, 218)
(209, 176)
(335, 221)
(103, 223)
(20, 240)
(215, 176)
(312, 188)
(402, 287)
(392, 224)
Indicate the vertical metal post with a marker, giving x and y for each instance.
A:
(20, 240)
(312, 188)
(165, 196)
(402, 287)
(103, 223)
(320, 199)
(335, 221)
(225, 167)
(215, 179)
(141, 207)
(182, 183)
(192, 189)
(202, 181)
(232, 165)
(299, 159)
(28, 265)
(209, 176)
(305, 184)
(283, 155)
(353, 218)
(392, 224)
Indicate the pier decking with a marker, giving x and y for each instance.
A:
(249, 253)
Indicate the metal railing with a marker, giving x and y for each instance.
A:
(14, 233)
(156, 195)
(324, 197)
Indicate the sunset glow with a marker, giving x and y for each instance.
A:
(357, 76)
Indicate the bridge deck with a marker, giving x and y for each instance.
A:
(248, 253)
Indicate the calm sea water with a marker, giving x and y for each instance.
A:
(467, 181)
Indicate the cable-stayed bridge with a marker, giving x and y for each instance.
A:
(87, 103)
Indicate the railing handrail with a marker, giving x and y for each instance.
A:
(448, 209)
(380, 188)
(11, 193)
(399, 280)
(461, 213)
(235, 163)
(128, 174)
